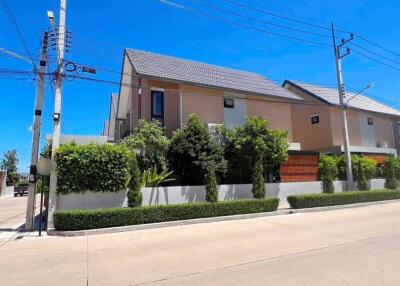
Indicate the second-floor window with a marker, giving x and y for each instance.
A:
(315, 119)
(157, 105)
(370, 121)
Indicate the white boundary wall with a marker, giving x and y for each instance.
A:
(186, 194)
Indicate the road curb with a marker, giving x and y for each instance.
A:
(54, 232)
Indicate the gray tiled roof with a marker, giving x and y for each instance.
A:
(187, 71)
(331, 96)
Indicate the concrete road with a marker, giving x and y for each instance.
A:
(359, 246)
(12, 216)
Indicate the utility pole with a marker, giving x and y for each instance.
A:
(343, 106)
(57, 109)
(30, 211)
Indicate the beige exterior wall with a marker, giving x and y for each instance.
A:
(311, 136)
(353, 122)
(277, 114)
(384, 130)
(208, 104)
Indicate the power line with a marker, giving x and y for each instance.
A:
(377, 45)
(374, 53)
(103, 81)
(14, 23)
(375, 60)
(259, 20)
(259, 10)
(198, 12)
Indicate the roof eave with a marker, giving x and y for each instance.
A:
(151, 77)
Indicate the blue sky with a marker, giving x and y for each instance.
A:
(101, 29)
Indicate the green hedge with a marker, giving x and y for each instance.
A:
(92, 167)
(322, 200)
(101, 218)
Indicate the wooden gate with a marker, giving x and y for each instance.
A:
(302, 166)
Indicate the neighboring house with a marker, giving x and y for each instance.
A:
(374, 128)
(169, 89)
(23, 176)
(109, 124)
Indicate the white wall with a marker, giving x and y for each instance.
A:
(7, 192)
(187, 194)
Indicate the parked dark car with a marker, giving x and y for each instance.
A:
(21, 189)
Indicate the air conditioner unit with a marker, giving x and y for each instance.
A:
(213, 128)
(383, 145)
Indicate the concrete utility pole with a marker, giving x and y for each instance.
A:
(30, 211)
(57, 109)
(338, 58)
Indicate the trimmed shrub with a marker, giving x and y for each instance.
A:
(328, 173)
(102, 218)
(361, 178)
(135, 196)
(258, 188)
(211, 185)
(92, 167)
(322, 200)
(390, 168)
(368, 165)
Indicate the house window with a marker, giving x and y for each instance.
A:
(229, 103)
(370, 121)
(315, 119)
(157, 105)
(398, 129)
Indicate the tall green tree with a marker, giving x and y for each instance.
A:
(10, 163)
(150, 145)
(257, 145)
(191, 151)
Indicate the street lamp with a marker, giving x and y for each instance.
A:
(371, 85)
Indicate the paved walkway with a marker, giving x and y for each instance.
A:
(359, 246)
(12, 217)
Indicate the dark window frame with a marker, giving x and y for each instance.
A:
(314, 119)
(155, 116)
(229, 102)
(370, 121)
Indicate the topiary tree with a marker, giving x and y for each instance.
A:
(211, 184)
(328, 172)
(135, 196)
(255, 144)
(10, 164)
(191, 151)
(361, 176)
(149, 144)
(258, 188)
(390, 167)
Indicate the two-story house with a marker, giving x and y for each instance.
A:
(374, 128)
(169, 89)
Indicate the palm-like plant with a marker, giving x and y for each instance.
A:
(151, 177)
